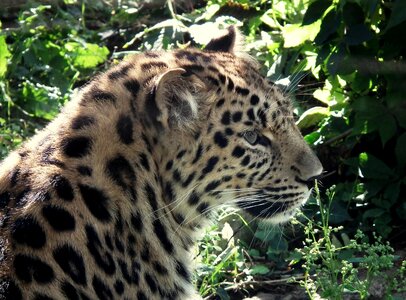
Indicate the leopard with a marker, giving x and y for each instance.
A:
(107, 201)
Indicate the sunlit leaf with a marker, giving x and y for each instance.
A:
(87, 55)
(4, 55)
(312, 116)
(295, 34)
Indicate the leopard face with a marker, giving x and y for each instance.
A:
(106, 201)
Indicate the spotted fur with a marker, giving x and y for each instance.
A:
(107, 200)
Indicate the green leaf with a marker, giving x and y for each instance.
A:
(328, 26)
(358, 34)
(312, 116)
(259, 270)
(398, 14)
(315, 11)
(86, 55)
(372, 167)
(312, 138)
(387, 128)
(400, 150)
(4, 55)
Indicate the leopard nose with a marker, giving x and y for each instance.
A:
(309, 166)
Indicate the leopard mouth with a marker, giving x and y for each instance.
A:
(274, 205)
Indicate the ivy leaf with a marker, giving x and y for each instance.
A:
(315, 11)
(398, 14)
(400, 150)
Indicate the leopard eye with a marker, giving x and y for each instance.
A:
(251, 137)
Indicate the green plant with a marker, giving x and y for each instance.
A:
(333, 267)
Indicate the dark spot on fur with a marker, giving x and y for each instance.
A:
(29, 268)
(169, 165)
(141, 296)
(119, 287)
(242, 91)
(220, 103)
(136, 221)
(124, 129)
(184, 54)
(182, 271)
(100, 96)
(203, 207)
(212, 185)
(96, 201)
(151, 196)
(76, 146)
(145, 67)
(237, 116)
(211, 163)
(162, 235)
(62, 187)
(115, 75)
(225, 120)
(71, 262)
(69, 291)
(193, 199)
(238, 151)
(121, 172)
(103, 292)
(102, 258)
(84, 170)
(27, 231)
(151, 283)
(220, 139)
(250, 114)
(199, 152)
(4, 199)
(254, 100)
(245, 161)
(144, 161)
(59, 218)
(81, 122)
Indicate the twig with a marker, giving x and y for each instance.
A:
(338, 137)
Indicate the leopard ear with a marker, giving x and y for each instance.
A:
(172, 102)
(229, 42)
